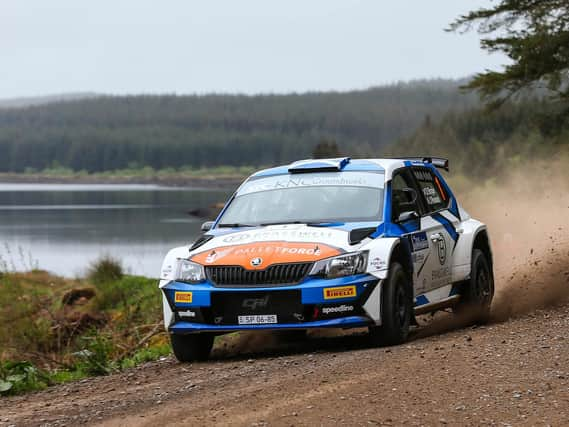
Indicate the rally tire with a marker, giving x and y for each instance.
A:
(192, 347)
(396, 309)
(478, 291)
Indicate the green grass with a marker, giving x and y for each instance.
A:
(145, 355)
(45, 340)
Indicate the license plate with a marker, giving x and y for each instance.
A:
(258, 319)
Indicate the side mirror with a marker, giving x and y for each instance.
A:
(206, 226)
(407, 216)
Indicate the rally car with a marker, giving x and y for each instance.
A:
(335, 243)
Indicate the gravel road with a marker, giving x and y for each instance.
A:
(511, 373)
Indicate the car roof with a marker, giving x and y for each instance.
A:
(386, 166)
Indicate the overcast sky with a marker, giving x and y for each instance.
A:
(246, 46)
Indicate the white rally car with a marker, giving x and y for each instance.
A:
(335, 243)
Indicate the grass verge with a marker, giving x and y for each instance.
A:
(54, 330)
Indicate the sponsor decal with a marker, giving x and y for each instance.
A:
(269, 233)
(187, 313)
(419, 241)
(418, 258)
(431, 196)
(216, 254)
(255, 303)
(185, 297)
(340, 292)
(260, 255)
(442, 248)
(441, 273)
(352, 179)
(337, 309)
(377, 264)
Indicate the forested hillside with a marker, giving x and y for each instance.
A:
(111, 132)
(481, 143)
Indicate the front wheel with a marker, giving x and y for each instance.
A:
(396, 309)
(477, 293)
(192, 347)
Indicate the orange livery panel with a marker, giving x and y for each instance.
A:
(260, 255)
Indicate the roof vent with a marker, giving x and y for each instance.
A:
(319, 165)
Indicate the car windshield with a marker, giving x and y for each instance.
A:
(307, 198)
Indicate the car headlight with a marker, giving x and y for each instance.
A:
(189, 272)
(340, 266)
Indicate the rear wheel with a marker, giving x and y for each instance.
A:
(396, 309)
(478, 291)
(193, 347)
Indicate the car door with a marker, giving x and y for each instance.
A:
(401, 203)
(437, 268)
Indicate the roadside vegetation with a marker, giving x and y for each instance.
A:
(134, 174)
(56, 330)
(481, 144)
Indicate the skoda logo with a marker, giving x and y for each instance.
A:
(255, 262)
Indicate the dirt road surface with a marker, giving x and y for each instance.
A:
(513, 371)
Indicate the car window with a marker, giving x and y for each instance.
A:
(404, 197)
(432, 189)
(307, 198)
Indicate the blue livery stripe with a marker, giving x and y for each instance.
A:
(421, 300)
(449, 227)
(454, 208)
(455, 290)
(362, 166)
(342, 322)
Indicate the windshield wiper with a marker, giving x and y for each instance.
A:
(234, 225)
(281, 223)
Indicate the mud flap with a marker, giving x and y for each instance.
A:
(373, 304)
(168, 313)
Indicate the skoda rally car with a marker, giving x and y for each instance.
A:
(335, 243)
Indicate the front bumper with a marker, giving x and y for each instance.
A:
(314, 303)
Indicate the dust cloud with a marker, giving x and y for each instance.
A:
(527, 213)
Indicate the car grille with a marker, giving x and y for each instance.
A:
(226, 306)
(278, 274)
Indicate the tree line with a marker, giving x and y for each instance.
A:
(168, 131)
(482, 144)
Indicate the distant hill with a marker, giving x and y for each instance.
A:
(98, 133)
(42, 100)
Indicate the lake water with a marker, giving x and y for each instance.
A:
(64, 227)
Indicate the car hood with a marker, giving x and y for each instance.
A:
(257, 248)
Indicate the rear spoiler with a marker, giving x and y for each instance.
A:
(437, 162)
